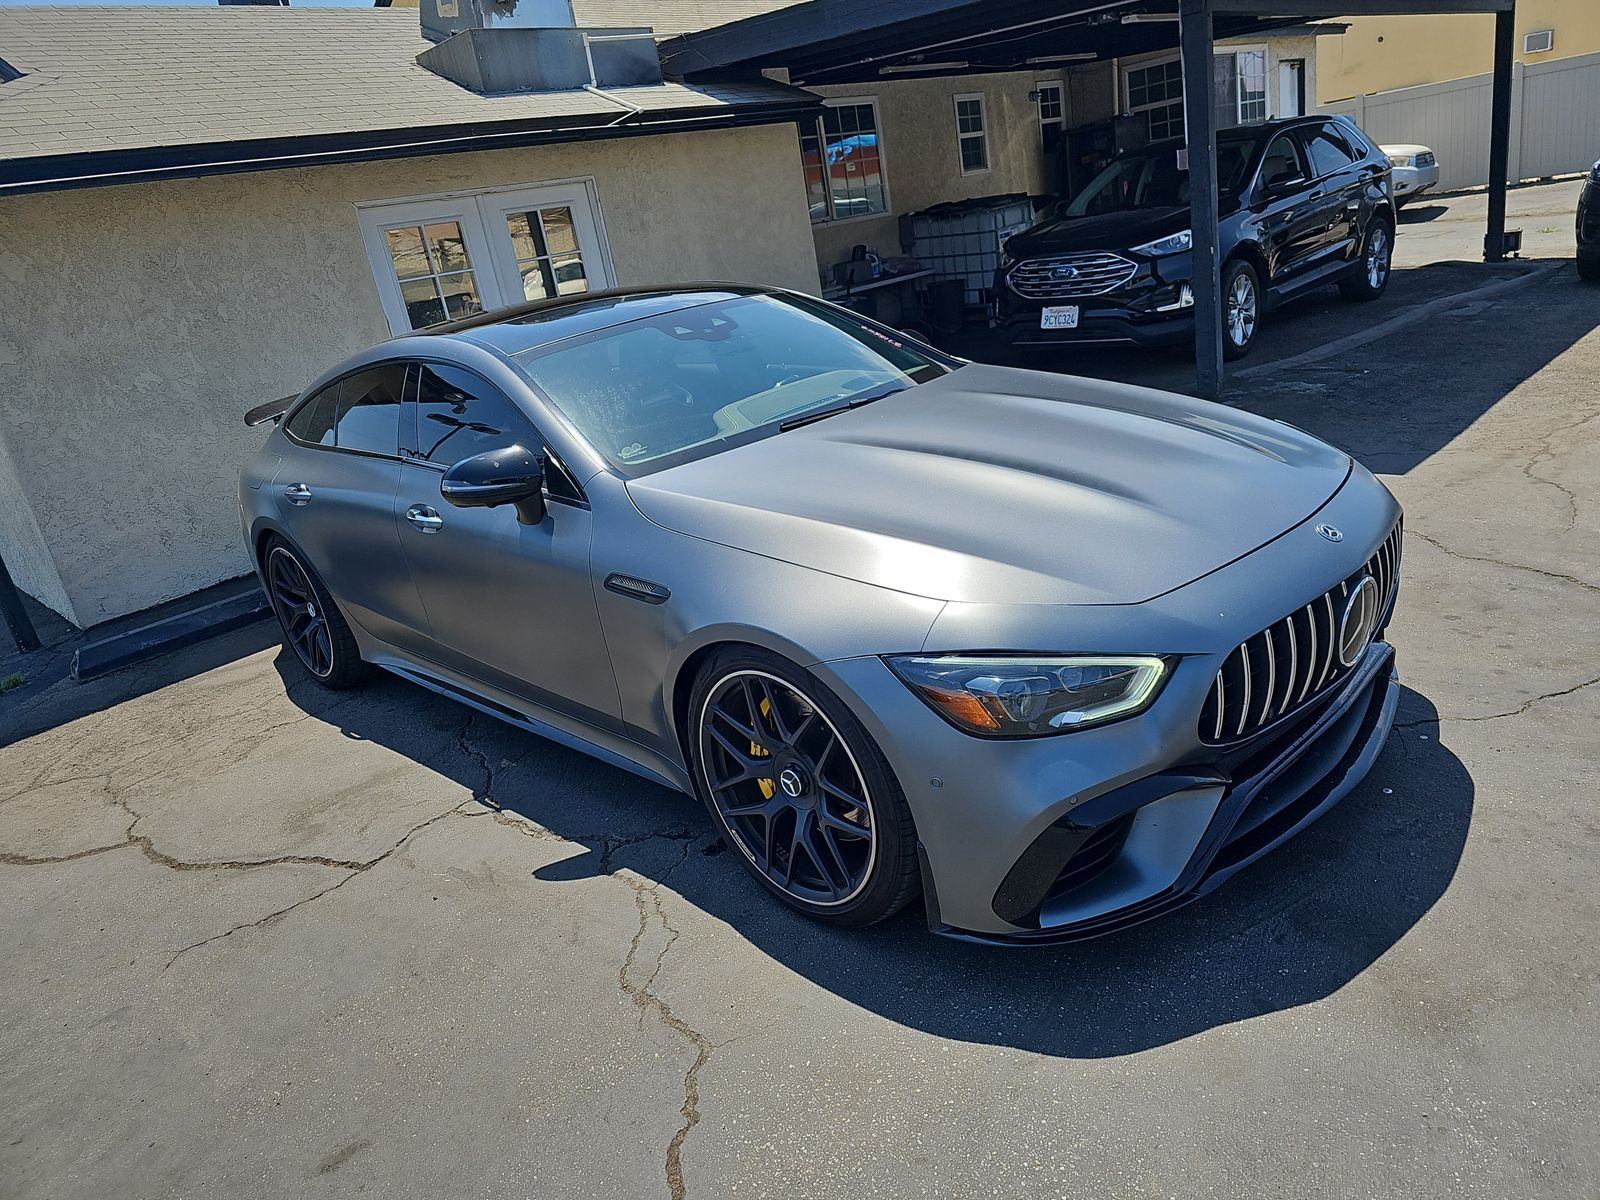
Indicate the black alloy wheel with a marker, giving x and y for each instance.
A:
(802, 793)
(312, 625)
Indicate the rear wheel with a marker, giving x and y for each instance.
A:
(1241, 308)
(1369, 280)
(313, 627)
(801, 790)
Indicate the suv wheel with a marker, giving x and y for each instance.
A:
(1368, 280)
(313, 627)
(1241, 308)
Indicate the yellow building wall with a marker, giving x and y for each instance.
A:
(140, 322)
(1379, 53)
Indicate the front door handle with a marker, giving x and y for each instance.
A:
(425, 518)
(297, 494)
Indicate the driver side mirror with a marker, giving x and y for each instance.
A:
(1285, 182)
(508, 476)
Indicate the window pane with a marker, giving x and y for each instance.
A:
(421, 297)
(559, 234)
(449, 249)
(459, 415)
(974, 155)
(537, 283)
(527, 239)
(570, 275)
(405, 250)
(460, 294)
(313, 421)
(369, 409)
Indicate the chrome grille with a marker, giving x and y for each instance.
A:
(1293, 660)
(1426, 159)
(1071, 276)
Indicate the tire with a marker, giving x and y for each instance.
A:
(798, 827)
(1589, 268)
(1371, 276)
(1241, 308)
(314, 630)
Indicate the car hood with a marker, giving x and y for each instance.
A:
(998, 485)
(1402, 148)
(1108, 231)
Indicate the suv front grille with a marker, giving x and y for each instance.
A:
(1292, 661)
(1426, 159)
(1071, 276)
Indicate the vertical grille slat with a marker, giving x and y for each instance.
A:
(1294, 660)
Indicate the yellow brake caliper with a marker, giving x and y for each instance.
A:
(769, 787)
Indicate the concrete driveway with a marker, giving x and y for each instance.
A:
(264, 941)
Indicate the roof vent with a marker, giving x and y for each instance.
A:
(494, 47)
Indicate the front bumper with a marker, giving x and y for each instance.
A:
(1410, 182)
(1145, 311)
(1001, 824)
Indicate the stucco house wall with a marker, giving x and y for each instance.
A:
(917, 130)
(141, 321)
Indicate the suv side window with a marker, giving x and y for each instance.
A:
(1282, 160)
(369, 409)
(1329, 151)
(312, 422)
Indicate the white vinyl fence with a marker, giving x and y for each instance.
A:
(1555, 120)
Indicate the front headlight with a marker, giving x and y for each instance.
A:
(1400, 160)
(1033, 696)
(1172, 244)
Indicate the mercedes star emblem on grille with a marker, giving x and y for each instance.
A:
(1360, 615)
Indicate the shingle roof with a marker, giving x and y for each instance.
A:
(672, 16)
(102, 79)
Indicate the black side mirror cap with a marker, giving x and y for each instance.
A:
(512, 475)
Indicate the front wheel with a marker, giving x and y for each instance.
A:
(1371, 276)
(1241, 308)
(801, 790)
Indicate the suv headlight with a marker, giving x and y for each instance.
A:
(1009, 697)
(1400, 160)
(1172, 244)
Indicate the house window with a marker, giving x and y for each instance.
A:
(972, 135)
(1156, 93)
(1052, 116)
(439, 259)
(843, 161)
(1246, 100)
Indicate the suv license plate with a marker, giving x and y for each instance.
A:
(1060, 316)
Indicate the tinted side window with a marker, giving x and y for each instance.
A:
(369, 409)
(459, 415)
(1329, 151)
(1282, 160)
(313, 420)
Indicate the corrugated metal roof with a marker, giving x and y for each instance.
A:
(105, 78)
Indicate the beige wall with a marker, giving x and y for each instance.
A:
(917, 119)
(1379, 53)
(143, 320)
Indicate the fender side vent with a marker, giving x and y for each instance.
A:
(637, 589)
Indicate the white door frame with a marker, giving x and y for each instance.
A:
(481, 213)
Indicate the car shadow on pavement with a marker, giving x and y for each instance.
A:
(1420, 214)
(1290, 930)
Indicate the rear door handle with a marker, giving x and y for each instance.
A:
(297, 494)
(425, 518)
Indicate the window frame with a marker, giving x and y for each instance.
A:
(482, 213)
(982, 133)
(815, 123)
(406, 384)
(1266, 82)
(1127, 94)
(1059, 122)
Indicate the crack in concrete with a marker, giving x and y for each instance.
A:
(484, 794)
(1500, 716)
(356, 867)
(1498, 562)
(647, 900)
(1546, 453)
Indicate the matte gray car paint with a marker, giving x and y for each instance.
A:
(1196, 565)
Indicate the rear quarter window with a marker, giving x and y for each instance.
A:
(313, 421)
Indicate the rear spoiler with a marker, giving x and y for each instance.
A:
(272, 410)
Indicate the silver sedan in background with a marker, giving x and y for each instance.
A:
(1051, 654)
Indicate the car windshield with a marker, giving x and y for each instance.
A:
(1152, 178)
(674, 386)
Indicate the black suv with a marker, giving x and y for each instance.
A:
(1304, 202)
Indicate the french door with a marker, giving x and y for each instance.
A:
(452, 256)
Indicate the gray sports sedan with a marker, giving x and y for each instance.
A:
(1052, 654)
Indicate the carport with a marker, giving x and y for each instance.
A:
(862, 41)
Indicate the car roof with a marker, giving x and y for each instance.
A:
(1239, 133)
(521, 327)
